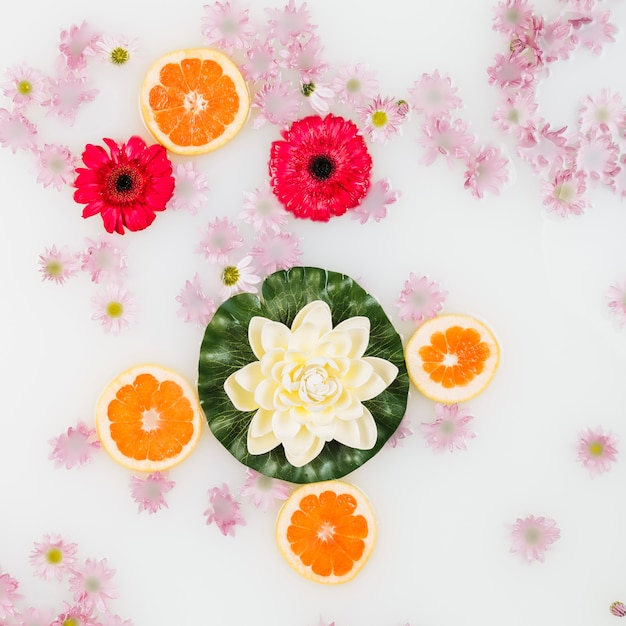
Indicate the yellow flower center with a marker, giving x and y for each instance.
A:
(379, 119)
(353, 85)
(119, 56)
(54, 268)
(115, 309)
(230, 275)
(596, 448)
(70, 621)
(24, 87)
(564, 192)
(54, 556)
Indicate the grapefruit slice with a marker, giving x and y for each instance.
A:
(148, 418)
(326, 531)
(194, 101)
(452, 358)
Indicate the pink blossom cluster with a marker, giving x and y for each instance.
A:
(104, 260)
(445, 136)
(87, 596)
(568, 160)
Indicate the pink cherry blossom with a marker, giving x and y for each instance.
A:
(149, 491)
(420, 299)
(264, 491)
(532, 536)
(374, 205)
(53, 557)
(449, 429)
(223, 510)
(486, 171)
(75, 447)
(597, 450)
(195, 306)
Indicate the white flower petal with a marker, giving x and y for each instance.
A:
(359, 372)
(265, 334)
(360, 433)
(352, 409)
(383, 375)
(265, 394)
(283, 426)
(261, 424)
(316, 313)
(242, 398)
(307, 455)
(305, 338)
(261, 445)
(358, 329)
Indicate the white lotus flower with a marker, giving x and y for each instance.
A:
(309, 383)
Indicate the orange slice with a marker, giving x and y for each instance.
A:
(326, 531)
(194, 101)
(452, 358)
(148, 418)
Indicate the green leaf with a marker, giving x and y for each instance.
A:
(226, 349)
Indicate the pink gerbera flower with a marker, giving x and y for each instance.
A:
(442, 138)
(53, 557)
(191, 188)
(278, 103)
(66, 94)
(56, 166)
(563, 193)
(224, 510)
(276, 251)
(57, 265)
(126, 187)
(434, 96)
(449, 429)
(616, 296)
(292, 22)
(532, 536)
(195, 306)
(264, 491)
(104, 259)
(91, 584)
(374, 205)
(320, 168)
(149, 491)
(75, 43)
(16, 132)
(486, 171)
(8, 595)
(404, 430)
(420, 299)
(354, 85)
(25, 85)
(597, 451)
(75, 447)
(226, 25)
(380, 119)
(115, 307)
(220, 238)
(262, 209)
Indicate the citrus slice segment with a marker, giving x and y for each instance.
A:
(148, 418)
(194, 101)
(452, 358)
(326, 531)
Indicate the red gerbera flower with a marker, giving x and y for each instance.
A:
(125, 187)
(321, 167)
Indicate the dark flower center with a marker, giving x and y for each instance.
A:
(321, 167)
(124, 184)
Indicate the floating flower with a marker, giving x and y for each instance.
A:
(532, 536)
(597, 451)
(25, 85)
(195, 306)
(618, 609)
(420, 299)
(597, 32)
(56, 166)
(273, 252)
(16, 132)
(355, 85)
(514, 112)
(564, 193)
(278, 103)
(76, 42)
(57, 265)
(319, 96)
(224, 510)
(261, 64)
(264, 491)
(220, 238)
(597, 157)
(103, 259)
(8, 595)
(309, 383)
(226, 25)
(374, 205)
(239, 278)
(30, 616)
(91, 585)
(115, 308)
(449, 429)
(380, 119)
(53, 557)
(434, 96)
(191, 189)
(126, 187)
(605, 113)
(75, 615)
(486, 171)
(320, 168)
(440, 137)
(149, 491)
(290, 23)
(74, 447)
(616, 296)
(115, 50)
(262, 209)
(404, 430)
(512, 17)
(66, 94)
(305, 58)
